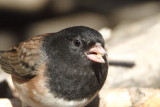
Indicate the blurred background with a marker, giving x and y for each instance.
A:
(131, 29)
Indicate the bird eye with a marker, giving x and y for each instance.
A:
(77, 43)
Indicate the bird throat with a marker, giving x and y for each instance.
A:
(76, 83)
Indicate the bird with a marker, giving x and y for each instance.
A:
(66, 68)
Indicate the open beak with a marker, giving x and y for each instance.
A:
(96, 53)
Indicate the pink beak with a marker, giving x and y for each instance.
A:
(96, 53)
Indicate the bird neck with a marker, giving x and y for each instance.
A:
(72, 83)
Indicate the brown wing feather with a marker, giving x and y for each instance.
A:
(24, 59)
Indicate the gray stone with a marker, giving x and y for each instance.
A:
(142, 48)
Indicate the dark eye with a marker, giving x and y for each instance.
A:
(77, 43)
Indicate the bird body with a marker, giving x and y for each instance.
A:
(35, 92)
(63, 69)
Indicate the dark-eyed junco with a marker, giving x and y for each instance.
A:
(62, 69)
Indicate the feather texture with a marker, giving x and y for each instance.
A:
(23, 59)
